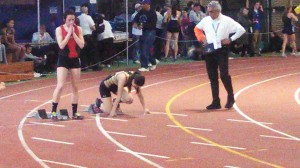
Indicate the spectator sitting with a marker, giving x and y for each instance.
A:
(2, 50)
(42, 36)
(39, 62)
(10, 43)
(275, 43)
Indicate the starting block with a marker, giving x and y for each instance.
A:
(42, 114)
(90, 109)
(63, 114)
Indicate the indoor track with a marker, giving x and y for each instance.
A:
(262, 130)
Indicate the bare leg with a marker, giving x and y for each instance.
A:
(293, 42)
(167, 45)
(175, 38)
(62, 74)
(75, 76)
(285, 39)
(107, 104)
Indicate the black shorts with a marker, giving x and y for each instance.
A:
(289, 30)
(173, 27)
(106, 92)
(69, 63)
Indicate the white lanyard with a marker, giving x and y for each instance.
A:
(216, 29)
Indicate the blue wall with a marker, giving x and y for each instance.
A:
(25, 16)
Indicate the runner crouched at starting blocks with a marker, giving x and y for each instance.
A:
(119, 84)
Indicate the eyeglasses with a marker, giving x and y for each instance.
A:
(212, 12)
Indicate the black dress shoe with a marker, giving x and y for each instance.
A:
(230, 103)
(214, 106)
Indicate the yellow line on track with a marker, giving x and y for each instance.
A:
(172, 118)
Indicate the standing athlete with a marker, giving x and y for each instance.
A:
(70, 41)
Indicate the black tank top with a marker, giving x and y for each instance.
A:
(286, 21)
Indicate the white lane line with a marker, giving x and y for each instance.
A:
(296, 96)
(48, 124)
(111, 119)
(230, 167)
(163, 113)
(125, 134)
(207, 144)
(38, 101)
(104, 132)
(50, 140)
(84, 105)
(22, 122)
(147, 154)
(192, 128)
(246, 121)
(64, 164)
(256, 122)
(37, 159)
(276, 137)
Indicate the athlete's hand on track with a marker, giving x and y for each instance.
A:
(147, 111)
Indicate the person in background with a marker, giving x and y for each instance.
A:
(190, 6)
(195, 15)
(3, 58)
(146, 19)
(136, 33)
(88, 53)
(244, 20)
(70, 40)
(105, 41)
(10, 43)
(185, 20)
(43, 44)
(173, 28)
(276, 42)
(288, 31)
(215, 31)
(38, 62)
(256, 15)
(158, 43)
(42, 37)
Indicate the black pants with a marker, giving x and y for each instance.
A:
(214, 61)
(105, 50)
(158, 43)
(88, 53)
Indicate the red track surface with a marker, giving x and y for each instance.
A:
(262, 130)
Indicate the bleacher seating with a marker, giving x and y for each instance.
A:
(16, 71)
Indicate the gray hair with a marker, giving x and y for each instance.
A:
(215, 5)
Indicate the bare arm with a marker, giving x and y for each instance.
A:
(142, 100)
(121, 82)
(5, 38)
(79, 39)
(93, 28)
(60, 41)
(247, 4)
(293, 17)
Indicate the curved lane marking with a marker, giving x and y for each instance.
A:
(21, 125)
(296, 96)
(256, 122)
(22, 122)
(172, 118)
(124, 148)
